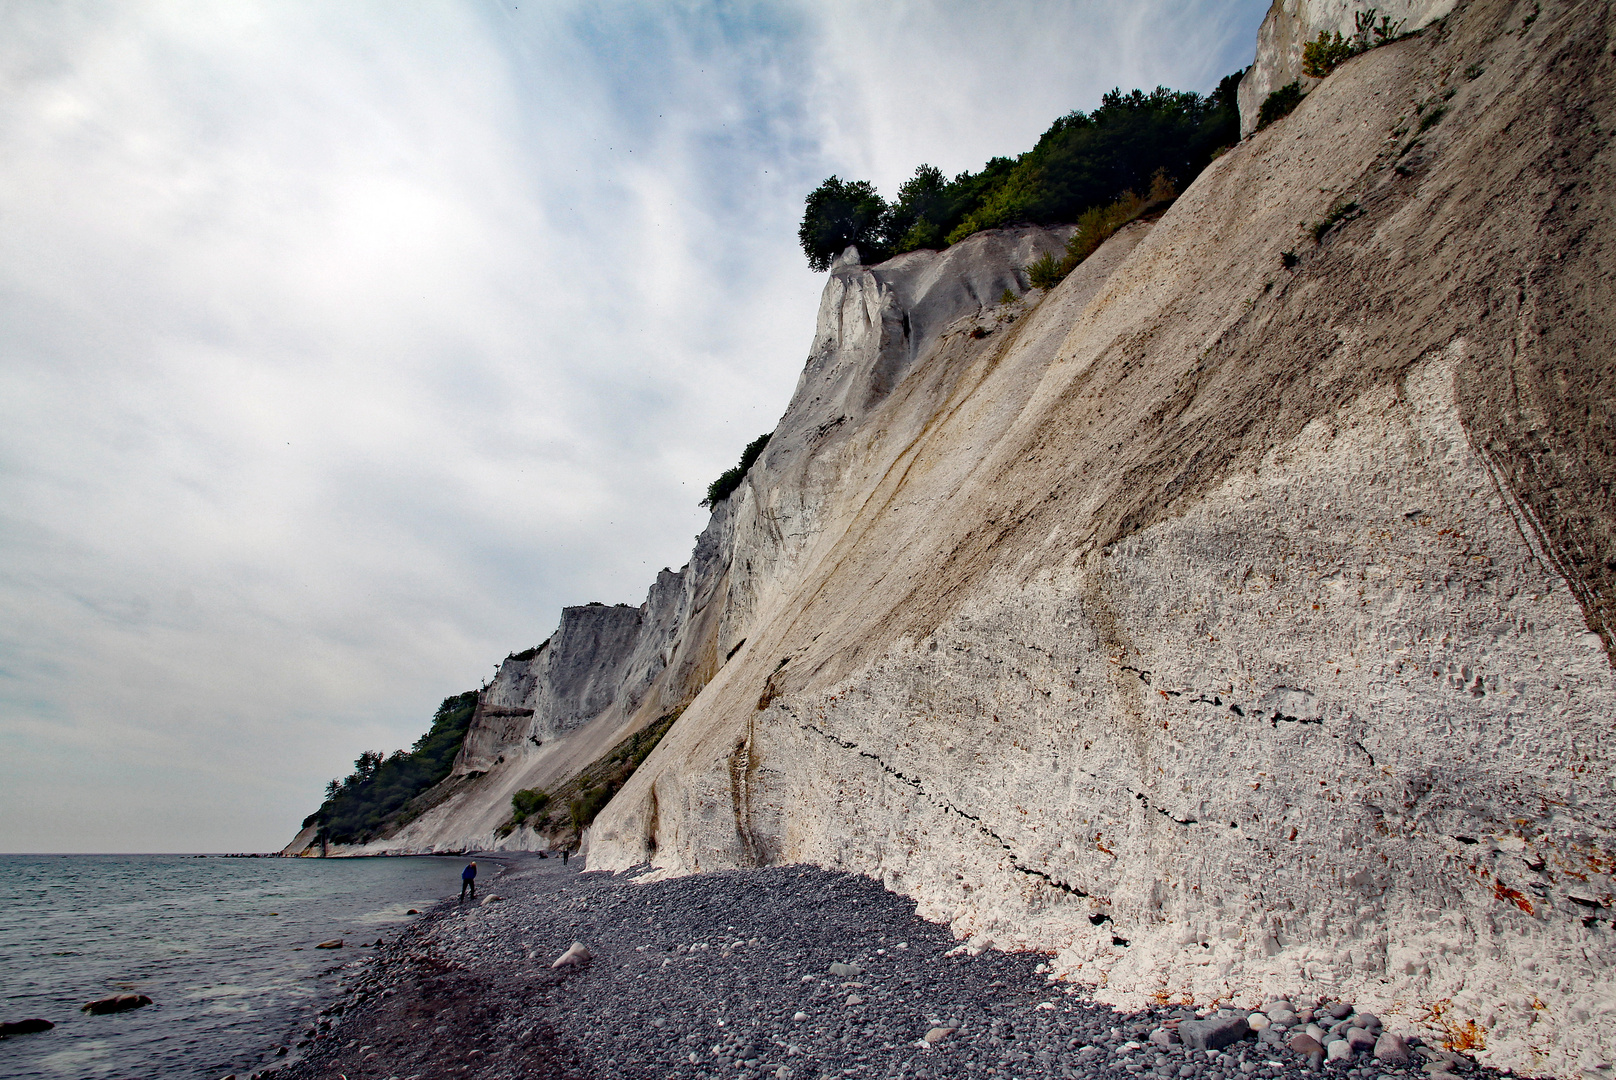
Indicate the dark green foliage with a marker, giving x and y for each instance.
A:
(1095, 225)
(1432, 119)
(1280, 104)
(1084, 160)
(527, 802)
(925, 205)
(725, 485)
(1045, 272)
(839, 213)
(1289, 258)
(528, 654)
(586, 806)
(358, 807)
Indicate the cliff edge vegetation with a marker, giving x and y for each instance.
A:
(1083, 162)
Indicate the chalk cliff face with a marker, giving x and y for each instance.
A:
(609, 671)
(1234, 619)
(1238, 618)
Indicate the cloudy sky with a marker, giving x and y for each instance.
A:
(341, 344)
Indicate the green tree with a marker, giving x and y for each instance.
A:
(363, 803)
(839, 213)
(1084, 161)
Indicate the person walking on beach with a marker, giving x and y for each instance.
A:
(468, 880)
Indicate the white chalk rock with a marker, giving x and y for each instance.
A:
(576, 956)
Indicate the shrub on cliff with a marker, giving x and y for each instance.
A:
(1280, 104)
(1096, 225)
(1329, 51)
(527, 802)
(730, 479)
(1084, 161)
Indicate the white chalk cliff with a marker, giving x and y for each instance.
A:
(1234, 619)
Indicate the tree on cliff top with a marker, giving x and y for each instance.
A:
(841, 213)
(358, 806)
(1084, 160)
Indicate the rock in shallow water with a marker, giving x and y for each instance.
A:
(24, 1027)
(115, 1003)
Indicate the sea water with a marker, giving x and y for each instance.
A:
(224, 947)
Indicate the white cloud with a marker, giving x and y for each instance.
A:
(339, 348)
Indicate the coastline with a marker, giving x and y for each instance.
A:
(789, 972)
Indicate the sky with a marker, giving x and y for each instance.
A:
(342, 344)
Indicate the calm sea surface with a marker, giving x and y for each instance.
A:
(223, 947)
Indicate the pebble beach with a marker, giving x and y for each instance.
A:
(786, 972)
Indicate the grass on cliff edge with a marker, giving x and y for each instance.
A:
(377, 796)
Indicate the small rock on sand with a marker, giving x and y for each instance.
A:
(938, 1034)
(24, 1027)
(576, 956)
(846, 971)
(492, 898)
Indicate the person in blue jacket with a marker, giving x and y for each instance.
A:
(468, 880)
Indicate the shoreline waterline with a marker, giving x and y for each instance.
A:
(225, 947)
